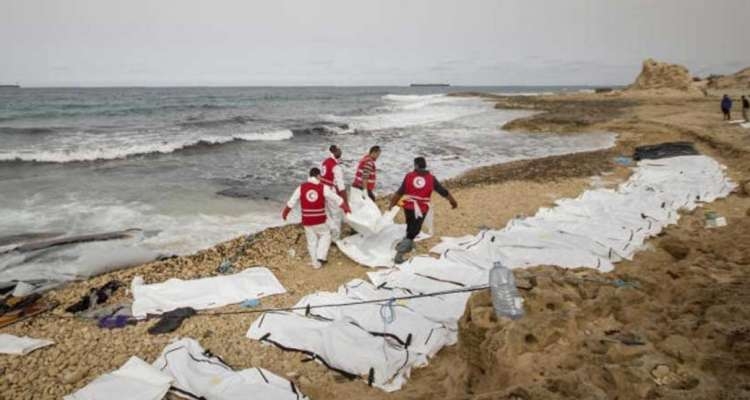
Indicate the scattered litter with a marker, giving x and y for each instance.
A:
(506, 300)
(171, 320)
(713, 220)
(23, 289)
(225, 267)
(116, 321)
(664, 150)
(250, 303)
(106, 311)
(95, 297)
(625, 284)
(10, 344)
(626, 338)
(623, 160)
(15, 309)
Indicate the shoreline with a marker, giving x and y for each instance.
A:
(524, 186)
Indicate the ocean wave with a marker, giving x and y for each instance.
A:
(146, 149)
(401, 111)
(213, 123)
(322, 128)
(410, 98)
(26, 131)
(74, 110)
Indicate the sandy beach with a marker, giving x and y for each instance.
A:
(689, 311)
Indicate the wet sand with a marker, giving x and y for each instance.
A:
(690, 310)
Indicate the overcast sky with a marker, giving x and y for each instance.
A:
(352, 42)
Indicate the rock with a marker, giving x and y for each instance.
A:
(595, 345)
(738, 80)
(292, 375)
(660, 372)
(629, 296)
(675, 247)
(305, 381)
(72, 377)
(678, 347)
(524, 279)
(659, 75)
(619, 352)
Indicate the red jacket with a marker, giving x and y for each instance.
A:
(313, 204)
(418, 188)
(326, 170)
(365, 164)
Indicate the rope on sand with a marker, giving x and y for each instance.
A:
(382, 302)
(309, 307)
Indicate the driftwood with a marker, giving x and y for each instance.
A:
(96, 237)
(28, 237)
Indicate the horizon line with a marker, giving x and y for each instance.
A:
(304, 86)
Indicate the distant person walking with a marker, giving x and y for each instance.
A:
(312, 197)
(416, 189)
(726, 107)
(364, 178)
(745, 108)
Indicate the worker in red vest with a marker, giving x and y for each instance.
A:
(312, 197)
(416, 190)
(332, 176)
(364, 178)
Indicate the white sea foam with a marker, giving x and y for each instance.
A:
(77, 148)
(163, 234)
(401, 111)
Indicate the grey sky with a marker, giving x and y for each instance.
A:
(352, 42)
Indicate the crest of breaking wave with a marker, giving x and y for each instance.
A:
(401, 111)
(112, 148)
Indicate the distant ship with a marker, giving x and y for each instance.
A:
(429, 85)
(10, 86)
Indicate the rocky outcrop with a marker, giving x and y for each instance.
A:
(738, 80)
(660, 76)
(672, 324)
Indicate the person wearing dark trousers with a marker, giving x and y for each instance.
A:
(416, 191)
(726, 107)
(745, 108)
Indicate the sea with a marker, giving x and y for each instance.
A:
(192, 167)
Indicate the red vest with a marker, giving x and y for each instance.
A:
(418, 187)
(369, 163)
(326, 170)
(313, 204)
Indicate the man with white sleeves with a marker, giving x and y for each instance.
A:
(312, 197)
(332, 176)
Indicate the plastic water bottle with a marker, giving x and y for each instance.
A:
(506, 300)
